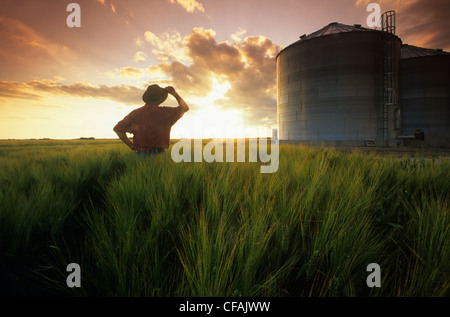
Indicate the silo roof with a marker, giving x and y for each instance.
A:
(335, 28)
(411, 51)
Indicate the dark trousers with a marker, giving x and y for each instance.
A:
(149, 153)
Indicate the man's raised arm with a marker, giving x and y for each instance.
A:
(180, 100)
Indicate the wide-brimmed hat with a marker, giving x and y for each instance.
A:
(154, 95)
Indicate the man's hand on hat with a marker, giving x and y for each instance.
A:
(170, 90)
(180, 100)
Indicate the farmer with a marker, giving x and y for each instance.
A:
(151, 124)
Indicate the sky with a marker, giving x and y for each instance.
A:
(66, 82)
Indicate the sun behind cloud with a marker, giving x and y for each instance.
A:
(218, 92)
(210, 119)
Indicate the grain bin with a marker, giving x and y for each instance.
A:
(339, 84)
(425, 90)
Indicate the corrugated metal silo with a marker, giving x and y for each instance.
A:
(332, 86)
(425, 90)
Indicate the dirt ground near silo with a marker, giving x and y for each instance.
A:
(433, 145)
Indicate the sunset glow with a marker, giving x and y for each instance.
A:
(66, 82)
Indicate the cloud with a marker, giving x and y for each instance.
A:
(111, 5)
(130, 71)
(11, 89)
(140, 57)
(28, 118)
(193, 64)
(246, 64)
(139, 42)
(237, 36)
(167, 47)
(190, 5)
(25, 51)
(386, 4)
(17, 35)
(419, 22)
(380, 2)
(129, 95)
(113, 8)
(426, 23)
(118, 9)
(219, 58)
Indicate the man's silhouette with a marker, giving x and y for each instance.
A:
(151, 124)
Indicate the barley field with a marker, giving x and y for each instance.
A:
(163, 229)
